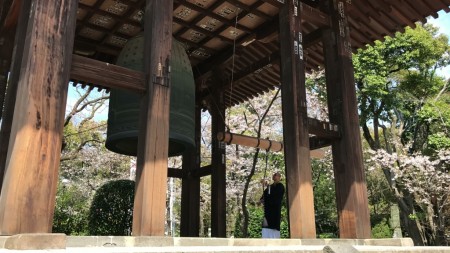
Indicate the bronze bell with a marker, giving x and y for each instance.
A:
(123, 116)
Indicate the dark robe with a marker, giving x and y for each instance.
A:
(272, 205)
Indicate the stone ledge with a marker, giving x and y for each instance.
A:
(152, 241)
(404, 249)
(35, 241)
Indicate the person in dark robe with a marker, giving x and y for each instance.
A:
(272, 198)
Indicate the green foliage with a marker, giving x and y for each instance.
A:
(284, 225)
(324, 199)
(435, 114)
(438, 141)
(382, 230)
(112, 209)
(256, 217)
(254, 226)
(71, 211)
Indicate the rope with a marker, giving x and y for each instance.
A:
(233, 57)
(265, 171)
(218, 110)
(227, 123)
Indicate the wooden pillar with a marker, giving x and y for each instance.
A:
(153, 141)
(29, 189)
(6, 49)
(218, 176)
(295, 124)
(190, 192)
(11, 59)
(351, 192)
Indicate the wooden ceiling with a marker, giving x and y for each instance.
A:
(239, 38)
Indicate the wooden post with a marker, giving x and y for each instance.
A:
(218, 176)
(153, 141)
(351, 192)
(6, 49)
(190, 192)
(29, 189)
(12, 52)
(295, 124)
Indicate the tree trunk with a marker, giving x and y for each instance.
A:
(244, 196)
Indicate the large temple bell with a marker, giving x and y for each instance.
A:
(123, 116)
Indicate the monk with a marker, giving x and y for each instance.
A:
(272, 198)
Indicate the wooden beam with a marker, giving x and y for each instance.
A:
(112, 76)
(15, 26)
(190, 191)
(249, 141)
(190, 198)
(316, 142)
(6, 50)
(247, 8)
(29, 190)
(295, 124)
(175, 172)
(153, 140)
(308, 40)
(106, 75)
(201, 30)
(117, 18)
(213, 14)
(84, 46)
(9, 13)
(323, 129)
(7, 100)
(351, 192)
(203, 171)
(218, 176)
(310, 13)
(314, 15)
(205, 68)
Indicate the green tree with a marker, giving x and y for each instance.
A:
(403, 104)
(111, 211)
(85, 163)
(72, 206)
(324, 198)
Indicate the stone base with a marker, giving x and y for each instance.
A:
(146, 241)
(34, 241)
(60, 243)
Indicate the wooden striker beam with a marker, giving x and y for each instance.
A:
(248, 141)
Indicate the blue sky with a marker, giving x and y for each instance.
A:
(443, 22)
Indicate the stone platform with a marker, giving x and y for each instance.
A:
(114, 244)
